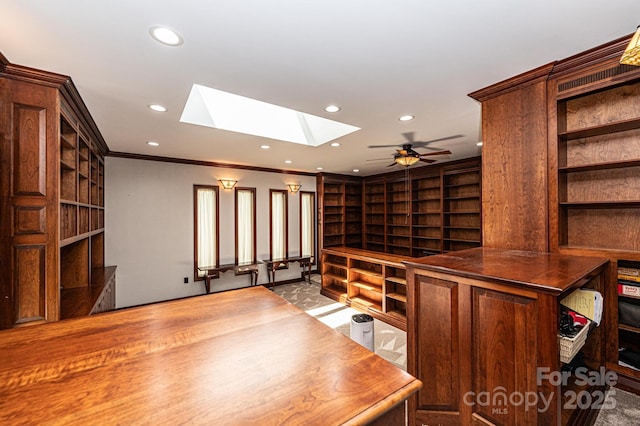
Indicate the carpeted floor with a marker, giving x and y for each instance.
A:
(391, 344)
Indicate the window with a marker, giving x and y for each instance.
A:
(245, 225)
(307, 221)
(206, 227)
(278, 209)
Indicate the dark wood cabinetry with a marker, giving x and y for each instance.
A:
(51, 195)
(561, 169)
(484, 322)
(594, 182)
(369, 281)
(341, 211)
(432, 209)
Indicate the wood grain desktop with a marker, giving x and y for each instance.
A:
(238, 357)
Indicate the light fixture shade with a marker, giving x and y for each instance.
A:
(294, 187)
(407, 160)
(631, 55)
(228, 183)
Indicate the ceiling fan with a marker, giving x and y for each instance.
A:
(407, 156)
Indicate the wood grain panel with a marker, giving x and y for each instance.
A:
(29, 220)
(601, 149)
(603, 107)
(29, 148)
(503, 351)
(438, 364)
(604, 185)
(29, 276)
(586, 227)
(514, 161)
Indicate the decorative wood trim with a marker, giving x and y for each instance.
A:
(514, 83)
(61, 82)
(132, 156)
(610, 50)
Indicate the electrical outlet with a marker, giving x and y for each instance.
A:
(186, 280)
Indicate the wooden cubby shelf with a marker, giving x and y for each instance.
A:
(56, 208)
(594, 142)
(369, 281)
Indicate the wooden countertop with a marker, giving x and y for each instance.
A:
(238, 357)
(547, 272)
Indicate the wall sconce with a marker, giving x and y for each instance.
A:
(293, 187)
(631, 55)
(228, 183)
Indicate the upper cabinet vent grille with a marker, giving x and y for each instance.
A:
(595, 77)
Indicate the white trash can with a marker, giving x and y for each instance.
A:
(362, 330)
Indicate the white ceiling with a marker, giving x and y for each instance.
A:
(376, 59)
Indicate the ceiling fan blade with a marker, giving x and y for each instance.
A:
(409, 136)
(378, 159)
(392, 164)
(427, 160)
(422, 144)
(444, 152)
(384, 146)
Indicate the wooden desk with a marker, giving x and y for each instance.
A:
(274, 264)
(239, 357)
(242, 268)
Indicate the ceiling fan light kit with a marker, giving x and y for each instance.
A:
(407, 161)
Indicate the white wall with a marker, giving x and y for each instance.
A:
(149, 226)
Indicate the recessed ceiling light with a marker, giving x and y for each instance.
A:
(165, 35)
(287, 161)
(356, 170)
(318, 168)
(265, 146)
(407, 117)
(332, 108)
(335, 144)
(151, 143)
(157, 107)
(479, 143)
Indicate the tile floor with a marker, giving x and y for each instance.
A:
(389, 342)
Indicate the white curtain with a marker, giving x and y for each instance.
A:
(306, 219)
(206, 227)
(245, 226)
(278, 225)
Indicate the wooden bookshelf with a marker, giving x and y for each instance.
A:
(53, 217)
(594, 181)
(369, 281)
(374, 224)
(461, 210)
(341, 201)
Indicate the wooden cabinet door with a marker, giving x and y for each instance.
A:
(28, 203)
(504, 359)
(475, 352)
(439, 337)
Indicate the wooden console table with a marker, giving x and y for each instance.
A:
(274, 264)
(239, 357)
(242, 268)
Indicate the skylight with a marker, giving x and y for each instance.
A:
(222, 110)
